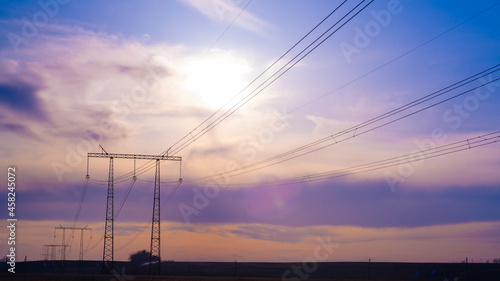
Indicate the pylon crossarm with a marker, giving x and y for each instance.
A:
(134, 156)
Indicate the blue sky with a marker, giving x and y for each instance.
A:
(137, 76)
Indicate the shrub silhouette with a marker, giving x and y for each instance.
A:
(140, 257)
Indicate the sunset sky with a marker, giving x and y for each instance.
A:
(138, 76)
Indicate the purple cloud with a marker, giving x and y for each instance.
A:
(16, 129)
(21, 97)
(369, 204)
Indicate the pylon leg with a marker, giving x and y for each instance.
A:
(107, 256)
(155, 258)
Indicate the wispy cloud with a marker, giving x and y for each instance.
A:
(226, 11)
(61, 88)
(16, 129)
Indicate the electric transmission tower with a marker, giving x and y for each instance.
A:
(49, 252)
(63, 254)
(64, 245)
(155, 257)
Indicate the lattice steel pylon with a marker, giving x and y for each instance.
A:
(64, 244)
(49, 252)
(155, 258)
(108, 252)
(63, 255)
(154, 254)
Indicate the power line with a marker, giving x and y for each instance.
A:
(395, 59)
(356, 130)
(333, 139)
(398, 57)
(262, 86)
(451, 148)
(129, 189)
(147, 224)
(349, 83)
(458, 146)
(120, 179)
(215, 124)
(270, 80)
(258, 76)
(209, 49)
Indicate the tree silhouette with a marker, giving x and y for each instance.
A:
(140, 257)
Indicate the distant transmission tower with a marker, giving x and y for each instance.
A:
(155, 257)
(49, 252)
(63, 254)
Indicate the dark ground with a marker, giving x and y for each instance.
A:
(229, 271)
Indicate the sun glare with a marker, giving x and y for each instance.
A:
(216, 79)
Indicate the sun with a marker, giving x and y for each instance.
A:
(216, 78)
